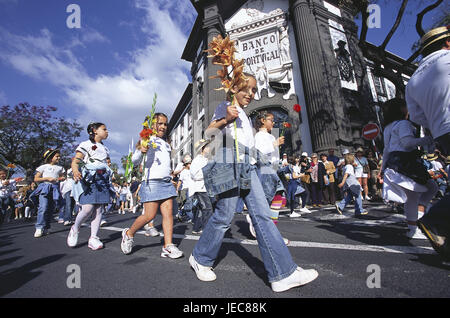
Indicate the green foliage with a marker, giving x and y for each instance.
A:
(26, 132)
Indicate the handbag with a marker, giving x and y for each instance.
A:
(306, 178)
(365, 167)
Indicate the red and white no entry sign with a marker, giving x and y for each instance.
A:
(370, 131)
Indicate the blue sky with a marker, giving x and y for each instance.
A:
(124, 52)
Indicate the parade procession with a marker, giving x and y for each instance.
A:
(235, 152)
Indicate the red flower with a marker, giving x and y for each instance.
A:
(146, 133)
(94, 147)
(286, 125)
(297, 108)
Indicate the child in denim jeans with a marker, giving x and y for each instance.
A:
(283, 274)
(351, 187)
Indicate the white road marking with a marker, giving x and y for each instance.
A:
(399, 249)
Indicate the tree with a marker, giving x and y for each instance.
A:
(26, 132)
(378, 54)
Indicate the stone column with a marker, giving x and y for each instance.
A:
(315, 83)
(213, 26)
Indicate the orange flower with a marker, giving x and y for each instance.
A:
(11, 166)
(286, 125)
(146, 133)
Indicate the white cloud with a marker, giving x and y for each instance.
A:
(122, 100)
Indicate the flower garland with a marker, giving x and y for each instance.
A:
(222, 53)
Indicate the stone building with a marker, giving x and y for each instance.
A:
(301, 52)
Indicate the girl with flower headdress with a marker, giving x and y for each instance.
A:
(49, 175)
(92, 187)
(156, 190)
(233, 177)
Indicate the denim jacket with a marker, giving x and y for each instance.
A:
(223, 173)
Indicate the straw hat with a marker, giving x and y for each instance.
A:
(434, 35)
(359, 150)
(431, 157)
(49, 154)
(198, 146)
(447, 160)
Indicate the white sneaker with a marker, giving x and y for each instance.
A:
(204, 273)
(67, 223)
(60, 221)
(151, 231)
(127, 242)
(171, 251)
(298, 278)
(286, 241)
(95, 243)
(294, 215)
(305, 210)
(416, 234)
(250, 225)
(72, 238)
(38, 233)
(103, 222)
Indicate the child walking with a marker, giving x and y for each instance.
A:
(49, 175)
(157, 190)
(231, 121)
(197, 190)
(92, 183)
(351, 186)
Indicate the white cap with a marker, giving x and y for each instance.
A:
(346, 151)
(304, 154)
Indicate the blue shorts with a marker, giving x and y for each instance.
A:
(156, 190)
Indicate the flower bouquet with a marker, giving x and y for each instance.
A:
(147, 130)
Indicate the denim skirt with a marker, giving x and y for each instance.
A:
(156, 190)
(97, 192)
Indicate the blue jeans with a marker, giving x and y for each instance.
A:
(277, 259)
(46, 208)
(68, 208)
(348, 197)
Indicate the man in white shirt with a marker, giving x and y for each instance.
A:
(428, 99)
(184, 183)
(428, 90)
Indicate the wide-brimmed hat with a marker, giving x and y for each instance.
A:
(359, 150)
(434, 35)
(447, 160)
(431, 157)
(198, 146)
(49, 154)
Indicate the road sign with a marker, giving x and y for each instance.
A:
(370, 131)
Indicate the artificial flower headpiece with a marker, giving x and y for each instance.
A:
(222, 53)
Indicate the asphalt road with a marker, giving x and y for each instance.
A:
(363, 257)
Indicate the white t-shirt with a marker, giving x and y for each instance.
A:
(50, 171)
(96, 151)
(198, 184)
(264, 143)
(157, 162)
(436, 165)
(6, 190)
(185, 178)
(349, 169)
(244, 128)
(428, 93)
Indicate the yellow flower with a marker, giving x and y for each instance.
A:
(145, 124)
(154, 145)
(144, 142)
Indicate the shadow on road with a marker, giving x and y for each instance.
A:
(15, 278)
